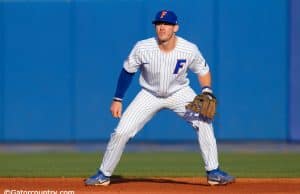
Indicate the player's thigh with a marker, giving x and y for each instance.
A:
(140, 110)
(180, 99)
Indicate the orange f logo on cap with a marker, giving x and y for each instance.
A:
(163, 13)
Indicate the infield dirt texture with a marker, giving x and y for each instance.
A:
(161, 185)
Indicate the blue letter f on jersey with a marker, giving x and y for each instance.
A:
(179, 65)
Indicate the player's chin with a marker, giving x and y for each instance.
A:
(163, 39)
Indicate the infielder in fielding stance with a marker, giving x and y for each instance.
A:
(163, 61)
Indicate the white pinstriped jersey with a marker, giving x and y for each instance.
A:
(163, 73)
(165, 86)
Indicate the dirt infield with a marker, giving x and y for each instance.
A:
(147, 186)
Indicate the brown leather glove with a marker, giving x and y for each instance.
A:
(204, 104)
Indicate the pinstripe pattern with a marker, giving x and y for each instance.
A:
(157, 67)
(163, 87)
(140, 111)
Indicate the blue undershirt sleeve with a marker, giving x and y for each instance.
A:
(124, 81)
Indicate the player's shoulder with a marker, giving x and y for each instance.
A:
(146, 44)
(186, 46)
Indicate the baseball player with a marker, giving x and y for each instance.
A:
(163, 61)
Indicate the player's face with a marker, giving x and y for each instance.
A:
(165, 31)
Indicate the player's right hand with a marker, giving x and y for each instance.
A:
(116, 109)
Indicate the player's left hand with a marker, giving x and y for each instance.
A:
(116, 109)
(203, 107)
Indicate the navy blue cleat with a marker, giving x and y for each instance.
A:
(98, 179)
(218, 177)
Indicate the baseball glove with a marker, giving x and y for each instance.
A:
(203, 107)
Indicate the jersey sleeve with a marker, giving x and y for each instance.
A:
(133, 62)
(198, 64)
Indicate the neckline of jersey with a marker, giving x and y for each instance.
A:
(169, 52)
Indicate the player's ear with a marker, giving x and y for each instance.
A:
(176, 28)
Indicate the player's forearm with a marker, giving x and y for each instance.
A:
(124, 81)
(205, 81)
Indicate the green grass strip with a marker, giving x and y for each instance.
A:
(148, 164)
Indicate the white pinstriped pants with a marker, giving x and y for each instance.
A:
(140, 111)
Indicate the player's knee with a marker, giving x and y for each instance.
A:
(123, 134)
(128, 131)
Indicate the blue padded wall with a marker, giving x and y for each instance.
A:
(37, 71)
(253, 69)
(60, 62)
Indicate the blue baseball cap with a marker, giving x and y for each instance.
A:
(165, 16)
